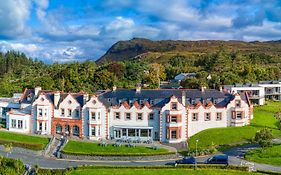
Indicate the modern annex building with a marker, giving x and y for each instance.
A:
(166, 115)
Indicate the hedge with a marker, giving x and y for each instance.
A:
(269, 172)
(117, 154)
(32, 146)
(199, 166)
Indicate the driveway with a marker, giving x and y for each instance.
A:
(35, 158)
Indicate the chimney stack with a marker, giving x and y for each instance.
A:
(203, 88)
(183, 98)
(138, 88)
(114, 88)
(56, 98)
(85, 98)
(36, 90)
(221, 90)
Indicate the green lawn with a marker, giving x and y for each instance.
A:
(263, 117)
(271, 155)
(90, 148)
(25, 141)
(158, 171)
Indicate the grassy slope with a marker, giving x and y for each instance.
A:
(271, 155)
(263, 117)
(158, 171)
(78, 147)
(25, 139)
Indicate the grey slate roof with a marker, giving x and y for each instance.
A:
(161, 96)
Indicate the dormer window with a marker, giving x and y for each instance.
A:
(141, 102)
(174, 105)
(238, 103)
(69, 102)
(152, 102)
(28, 98)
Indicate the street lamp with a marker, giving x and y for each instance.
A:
(196, 153)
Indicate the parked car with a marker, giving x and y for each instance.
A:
(218, 159)
(186, 160)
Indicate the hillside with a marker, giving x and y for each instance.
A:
(144, 48)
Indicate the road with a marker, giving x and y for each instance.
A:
(35, 158)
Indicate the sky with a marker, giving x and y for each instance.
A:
(77, 30)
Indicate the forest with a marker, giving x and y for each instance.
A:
(18, 72)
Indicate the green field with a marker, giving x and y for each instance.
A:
(24, 141)
(158, 171)
(263, 117)
(90, 148)
(271, 155)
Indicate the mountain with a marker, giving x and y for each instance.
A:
(148, 49)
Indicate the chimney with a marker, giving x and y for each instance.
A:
(114, 88)
(56, 98)
(37, 89)
(183, 98)
(203, 88)
(221, 90)
(85, 98)
(138, 88)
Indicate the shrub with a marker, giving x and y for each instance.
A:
(32, 146)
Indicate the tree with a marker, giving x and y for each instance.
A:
(263, 137)
(8, 148)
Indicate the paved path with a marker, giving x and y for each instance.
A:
(35, 158)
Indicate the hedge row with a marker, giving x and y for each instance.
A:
(52, 171)
(269, 172)
(117, 154)
(32, 146)
(199, 166)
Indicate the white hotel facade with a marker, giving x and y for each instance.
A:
(165, 115)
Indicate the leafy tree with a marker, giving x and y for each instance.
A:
(264, 137)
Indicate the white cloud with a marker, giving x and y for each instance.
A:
(13, 17)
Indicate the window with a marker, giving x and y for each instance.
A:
(131, 132)
(62, 112)
(98, 115)
(152, 102)
(14, 123)
(238, 115)
(128, 116)
(151, 116)
(238, 103)
(219, 116)
(195, 117)
(94, 131)
(45, 114)
(174, 105)
(69, 112)
(207, 116)
(93, 115)
(45, 126)
(40, 112)
(77, 113)
(40, 126)
(20, 124)
(139, 116)
(174, 119)
(141, 102)
(117, 115)
(174, 134)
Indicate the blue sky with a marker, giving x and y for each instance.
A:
(76, 30)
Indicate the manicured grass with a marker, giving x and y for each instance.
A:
(263, 117)
(25, 141)
(89, 148)
(271, 155)
(158, 171)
